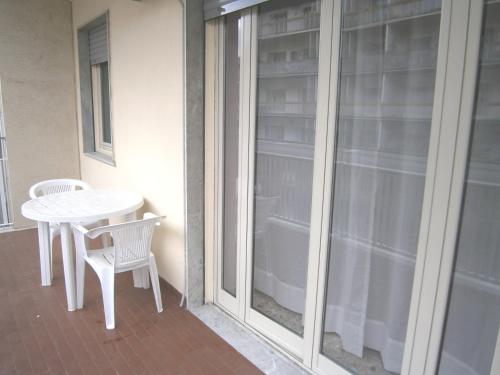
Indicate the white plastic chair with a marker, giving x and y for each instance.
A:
(52, 187)
(131, 250)
(56, 186)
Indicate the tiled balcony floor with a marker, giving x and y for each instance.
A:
(39, 336)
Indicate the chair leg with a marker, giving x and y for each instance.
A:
(108, 297)
(80, 280)
(51, 262)
(145, 277)
(156, 283)
(138, 278)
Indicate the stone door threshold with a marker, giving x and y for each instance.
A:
(263, 355)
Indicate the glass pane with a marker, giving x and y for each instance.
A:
(471, 334)
(231, 151)
(388, 61)
(288, 37)
(106, 120)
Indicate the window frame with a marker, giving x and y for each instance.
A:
(101, 145)
(437, 303)
(91, 95)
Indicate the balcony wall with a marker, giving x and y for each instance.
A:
(37, 80)
(146, 103)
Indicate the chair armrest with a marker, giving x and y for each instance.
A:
(96, 232)
(91, 233)
(79, 233)
(80, 228)
(150, 215)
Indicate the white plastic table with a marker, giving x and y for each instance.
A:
(79, 206)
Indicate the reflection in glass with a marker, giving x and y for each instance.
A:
(106, 117)
(288, 37)
(231, 152)
(388, 61)
(471, 337)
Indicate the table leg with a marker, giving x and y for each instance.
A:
(44, 249)
(138, 275)
(68, 263)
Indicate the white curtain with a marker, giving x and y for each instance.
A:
(372, 257)
(383, 134)
(387, 82)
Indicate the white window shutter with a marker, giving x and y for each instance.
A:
(98, 44)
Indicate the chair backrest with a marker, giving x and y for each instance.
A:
(56, 186)
(132, 240)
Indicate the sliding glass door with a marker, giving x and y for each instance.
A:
(339, 146)
(268, 85)
(471, 341)
(386, 95)
(229, 161)
(287, 77)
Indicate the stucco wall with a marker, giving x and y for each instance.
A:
(37, 80)
(146, 104)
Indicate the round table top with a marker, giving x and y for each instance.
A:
(82, 205)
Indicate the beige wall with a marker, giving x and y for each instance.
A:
(146, 104)
(37, 80)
